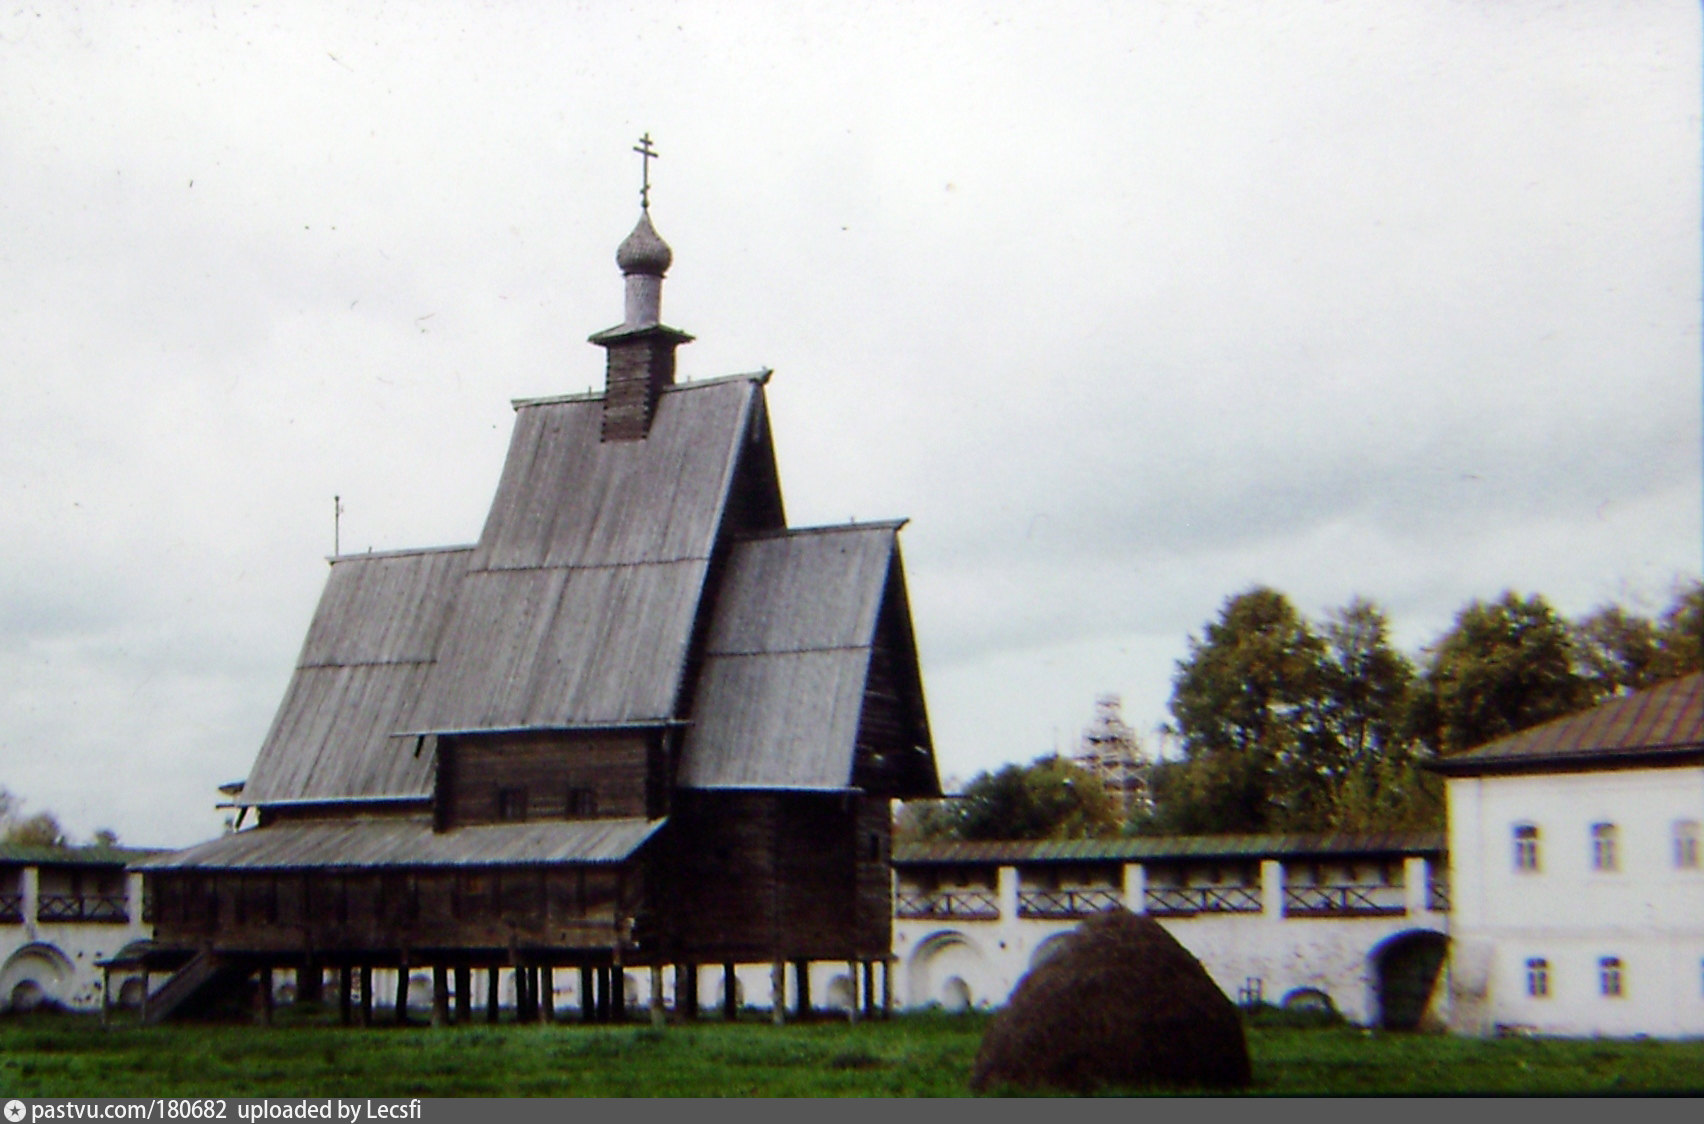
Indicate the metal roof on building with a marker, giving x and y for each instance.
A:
(782, 690)
(410, 842)
(580, 597)
(36, 854)
(1663, 724)
(1225, 847)
(363, 665)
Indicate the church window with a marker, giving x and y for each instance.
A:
(1603, 847)
(1538, 977)
(1609, 976)
(1526, 847)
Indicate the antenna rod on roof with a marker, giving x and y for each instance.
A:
(336, 525)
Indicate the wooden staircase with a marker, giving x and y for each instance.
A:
(205, 975)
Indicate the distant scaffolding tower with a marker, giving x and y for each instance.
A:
(1109, 750)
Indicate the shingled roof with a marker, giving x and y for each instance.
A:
(362, 668)
(1663, 725)
(782, 691)
(579, 601)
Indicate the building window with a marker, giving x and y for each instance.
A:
(582, 802)
(511, 803)
(1526, 847)
(1538, 977)
(1609, 976)
(1686, 844)
(1603, 847)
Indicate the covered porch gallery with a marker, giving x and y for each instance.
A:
(387, 915)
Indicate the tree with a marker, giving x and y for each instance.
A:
(39, 830)
(1050, 798)
(1247, 704)
(1380, 782)
(1501, 668)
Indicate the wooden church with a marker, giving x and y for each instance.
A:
(640, 723)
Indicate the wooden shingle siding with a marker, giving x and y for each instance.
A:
(547, 767)
(564, 908)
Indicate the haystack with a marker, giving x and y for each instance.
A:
(1121, 1003)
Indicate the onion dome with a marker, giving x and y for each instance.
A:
(644, 251)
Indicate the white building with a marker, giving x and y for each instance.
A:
(62, 911)
(1578, 878)
(1354, 921)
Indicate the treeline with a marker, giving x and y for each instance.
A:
(40, 829)
(1290, 724)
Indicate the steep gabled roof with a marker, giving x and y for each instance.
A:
(578, 605)
(782, 689)
(1663, 725)
(366, 658)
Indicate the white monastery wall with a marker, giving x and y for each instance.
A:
(54, 960)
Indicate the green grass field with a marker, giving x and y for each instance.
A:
(911, 1056)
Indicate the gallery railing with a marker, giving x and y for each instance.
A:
(11, 909)
(1369, 900)
(82, 907)
(1055, 905)
(947, 905)
(1187, 901)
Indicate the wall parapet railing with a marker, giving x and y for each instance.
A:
(11, 909)
(947, 905)
(83, 907)
(1053, 905)
(1356, 900)
(1187, 901)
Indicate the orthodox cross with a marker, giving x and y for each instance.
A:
(646, 154)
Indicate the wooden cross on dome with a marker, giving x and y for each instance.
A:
(646, 155)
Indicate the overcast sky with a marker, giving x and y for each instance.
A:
(1127, 306)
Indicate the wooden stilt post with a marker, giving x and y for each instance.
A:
(603, 994)
(730, 992)
(869, 988)
(491, 981)
(618, 994)
(686, 990)
(263, 1000)
(464, 994)
(440, 995)
(778, 991)
(310, 982)
(887, 986)
(802, 977)
(852, 989)
(345, 994)
(366, 995)
(588, 994)
(106, 993)
(658, 1016)
(400, 1015)
(547, 993)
